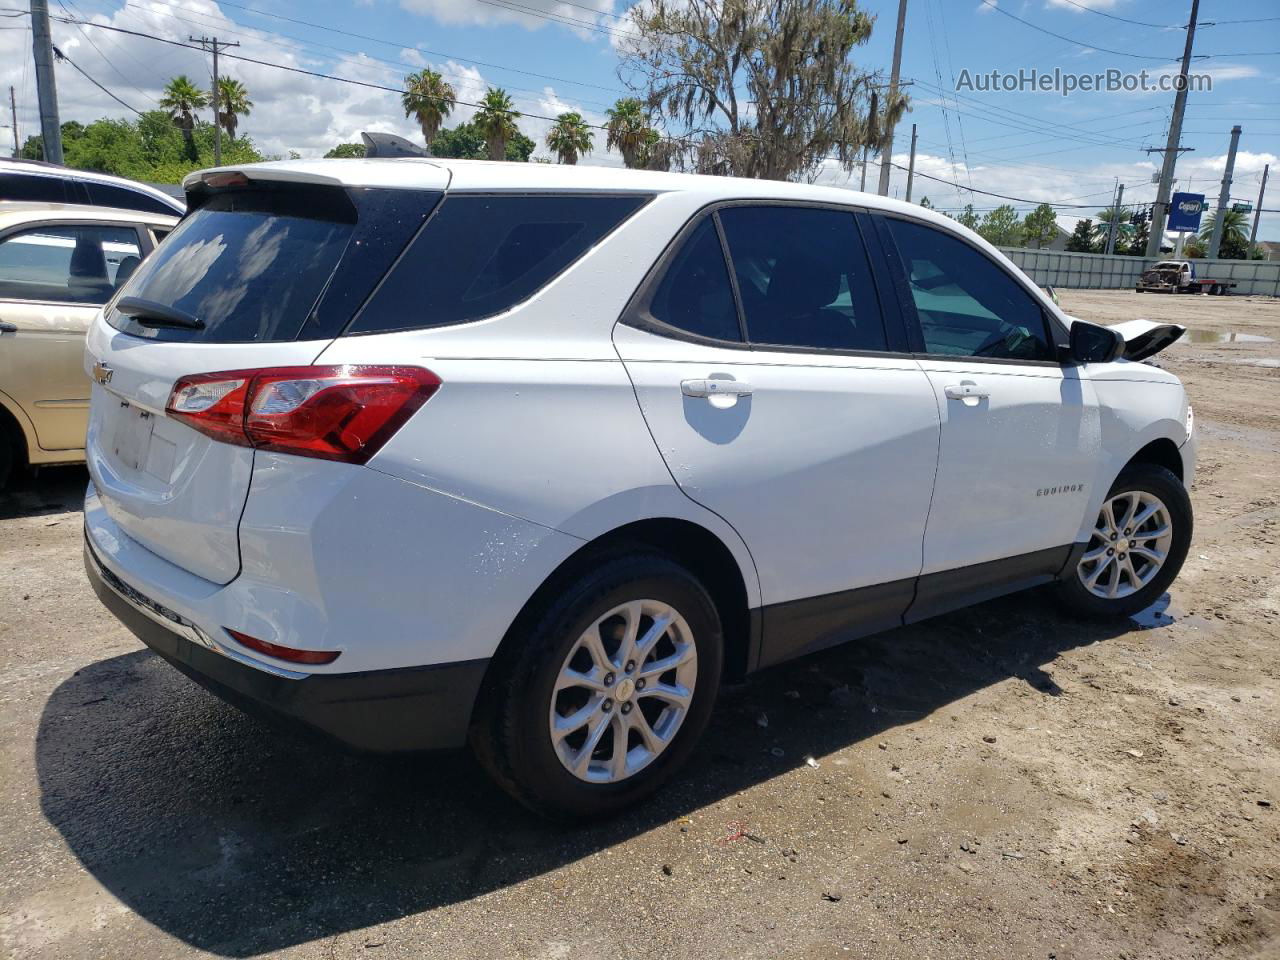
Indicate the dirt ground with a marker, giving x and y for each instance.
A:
(996, 783)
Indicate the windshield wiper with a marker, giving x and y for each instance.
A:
(152, 313)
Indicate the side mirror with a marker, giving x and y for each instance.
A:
(1091, 343)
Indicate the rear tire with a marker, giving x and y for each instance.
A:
(1140, 540)
(575, 680)
(9, 453)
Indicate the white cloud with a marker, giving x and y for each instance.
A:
(530, 14)
(986, 6)
(1079, 5)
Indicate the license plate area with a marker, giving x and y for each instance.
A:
(131, 436)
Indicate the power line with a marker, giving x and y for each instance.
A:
(991, 4)
(62, 56)
(105, 59)
(1112, 16)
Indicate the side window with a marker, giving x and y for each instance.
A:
(968, 306)
(111, 195)
(804, 278)
(67, 264)
(694, 294)
(481, 255)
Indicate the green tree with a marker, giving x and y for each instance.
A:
(925, 202)
(496, 121)
(465, 142)
(1081, 239)
(1040, 226)
(1137, 245)
(627, 131)
(1235, 238)
(1193, 248)
(346, 150)
(182, 99)
(569, 137)
(1002, 227)
(769, 89)
(429, 99)
(233, 103)
(968, 218)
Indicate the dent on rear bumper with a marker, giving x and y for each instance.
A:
(340, 557)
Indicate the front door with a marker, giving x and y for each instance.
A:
(781, 400)
(1020, 431)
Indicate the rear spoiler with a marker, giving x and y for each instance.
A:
(1146, 338)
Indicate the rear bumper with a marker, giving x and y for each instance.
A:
(416, 708)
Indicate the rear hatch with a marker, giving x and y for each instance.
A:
(265, 270)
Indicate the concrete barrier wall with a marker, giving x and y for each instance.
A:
(1097, 271)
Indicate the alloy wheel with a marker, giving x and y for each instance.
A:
(1129, 545)
(623, 691)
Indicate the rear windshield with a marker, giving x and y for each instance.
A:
(481, 255)
(250, 265)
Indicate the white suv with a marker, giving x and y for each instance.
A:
(422, 452)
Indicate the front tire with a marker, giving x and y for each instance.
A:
(1139, 542)
(603, 689)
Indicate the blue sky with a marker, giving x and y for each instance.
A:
(553, 55)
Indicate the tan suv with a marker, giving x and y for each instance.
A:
(58, 264)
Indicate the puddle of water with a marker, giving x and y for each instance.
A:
(1225, 336)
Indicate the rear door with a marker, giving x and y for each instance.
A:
(799, 417)
(272, 271)
(53, 278)
(1020, 430)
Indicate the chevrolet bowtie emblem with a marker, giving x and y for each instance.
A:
(102, 373)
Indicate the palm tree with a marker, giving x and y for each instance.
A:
(569, 137)
(1233, 226)
(628, 131)
(496, 121)
(429, 100)
(182, 99)
(233, 103)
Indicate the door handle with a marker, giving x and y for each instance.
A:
(7, 327)
(968, 392)
(715, 388)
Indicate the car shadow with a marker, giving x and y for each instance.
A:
(50, 490)
(240, 840)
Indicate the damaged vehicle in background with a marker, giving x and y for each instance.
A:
(424, 453)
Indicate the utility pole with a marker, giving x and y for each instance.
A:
(886, 148)
(1257, 211)
(1160, 210)
(1224, 195)
(1115, 220)
(13, 112)
(911, 167)
(863, 185)
(46, 86)
(216, 46)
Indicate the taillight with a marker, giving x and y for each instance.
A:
(336, 413)
(292, 654)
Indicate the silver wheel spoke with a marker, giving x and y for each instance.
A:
(1130, 510)
(658, 667)
(595, 647)
(651, 638)
(640, 725)
(1097, 554)
(1145, 514)
(1114, 586)
(676, 696)
(582, 760)
(563, 726)
(1156, 534)
(1153, 555)
(618, 762)
(1092, 578)
(570, 678)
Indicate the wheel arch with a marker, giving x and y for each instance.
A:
(690, 544)
(15, 432)
(1161, 452)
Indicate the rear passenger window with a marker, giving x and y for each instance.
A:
(481, 255)
(968, 306)
(67, 264)
(804, 278)
(695, 295)
(110, 195)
